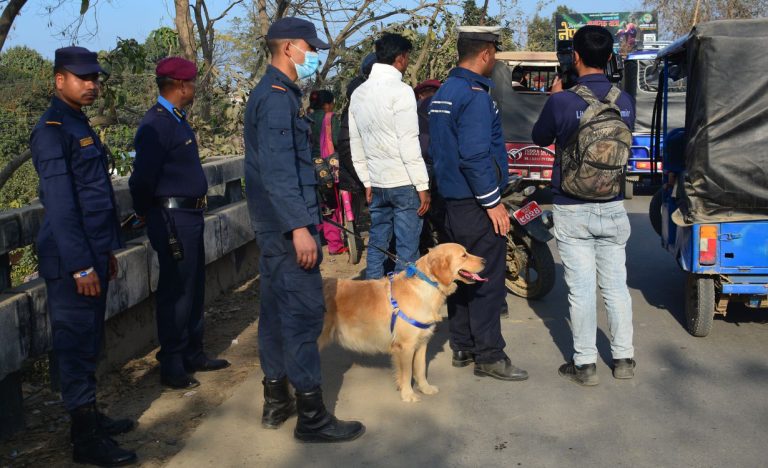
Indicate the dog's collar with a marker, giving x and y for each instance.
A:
(397, 312)
(411, 271)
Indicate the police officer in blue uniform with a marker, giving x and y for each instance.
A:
(467, 146)
(168, 187)
(79, 233)
(282, 201)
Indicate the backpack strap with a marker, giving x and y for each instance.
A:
(613, 96)
(594, 105)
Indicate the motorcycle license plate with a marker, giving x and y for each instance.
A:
(527, 213)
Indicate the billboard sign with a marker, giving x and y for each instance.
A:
(629, 28)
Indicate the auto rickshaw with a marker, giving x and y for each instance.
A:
(712, 215)
(520, 103)
(641, 80)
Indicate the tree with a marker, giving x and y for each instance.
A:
(13, 8)
(10, 12)
(541, 34)
(185, 30)
(541, 31)
(25, 88)
(679, 16)
(205, 27)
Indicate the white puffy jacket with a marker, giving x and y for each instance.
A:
(384, 132)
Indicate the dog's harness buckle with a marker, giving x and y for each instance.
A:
(397, 312)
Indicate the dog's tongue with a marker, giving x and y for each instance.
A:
(473, 276)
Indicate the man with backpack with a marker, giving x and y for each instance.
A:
(591, 126)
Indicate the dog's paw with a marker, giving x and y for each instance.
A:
(428, 389)
(410, 397)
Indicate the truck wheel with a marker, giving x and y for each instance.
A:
(629, 189)
(654, 211)
(699, 304)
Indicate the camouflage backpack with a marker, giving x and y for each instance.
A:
(593, 162)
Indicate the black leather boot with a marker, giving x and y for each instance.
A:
(316, 424)
(114, 427)
(278, 403)
(91, 445)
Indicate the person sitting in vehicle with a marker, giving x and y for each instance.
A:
(519, 80)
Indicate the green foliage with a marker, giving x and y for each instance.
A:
(25, 89)
(541, 31)
(541, 34)
(25, 264)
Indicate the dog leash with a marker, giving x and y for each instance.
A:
(410, 267)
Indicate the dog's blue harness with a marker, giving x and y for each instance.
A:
(410, 272)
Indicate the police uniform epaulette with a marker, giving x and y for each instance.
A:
(53, 117)
(279, 88)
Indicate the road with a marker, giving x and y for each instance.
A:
(695, 402)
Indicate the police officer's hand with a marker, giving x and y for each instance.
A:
(368, 195)
(425, 199)
(499, 219)
(113, 268)
(89, 285)
(306, 248)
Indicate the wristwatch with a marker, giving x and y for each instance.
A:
(83, 274)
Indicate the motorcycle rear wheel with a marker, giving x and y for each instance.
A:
(530, 271)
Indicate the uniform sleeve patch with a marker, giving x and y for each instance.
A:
(52, 122)
(87, 141)
(279, 88)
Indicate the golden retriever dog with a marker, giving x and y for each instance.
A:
(359, 313)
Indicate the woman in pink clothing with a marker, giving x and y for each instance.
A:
(325, 131)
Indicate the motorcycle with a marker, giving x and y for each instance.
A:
(530, 271)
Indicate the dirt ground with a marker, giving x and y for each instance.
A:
(165, 417)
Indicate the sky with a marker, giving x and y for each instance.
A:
(36, 29)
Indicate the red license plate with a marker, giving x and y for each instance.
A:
(528, 213)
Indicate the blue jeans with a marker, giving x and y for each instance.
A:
(393, 210)
(592, 239)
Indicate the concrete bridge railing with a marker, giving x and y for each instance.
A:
(25, 332)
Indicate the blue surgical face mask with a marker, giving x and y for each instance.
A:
(310, 65)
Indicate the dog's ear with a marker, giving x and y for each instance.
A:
(440, 267)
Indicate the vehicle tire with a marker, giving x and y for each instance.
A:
(699, 304)
(353, 243)
(535, 259)
(654, 211)
(629, 189)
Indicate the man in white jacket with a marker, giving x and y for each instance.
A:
(384, 139)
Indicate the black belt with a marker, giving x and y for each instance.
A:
(183, 203)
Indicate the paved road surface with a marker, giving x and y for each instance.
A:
(695, 402)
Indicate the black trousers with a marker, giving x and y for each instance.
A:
(474, 310)
(181, 289)
(291, 313)
(77, 325)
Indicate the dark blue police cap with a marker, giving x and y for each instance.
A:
(296, 28)
(77, 60)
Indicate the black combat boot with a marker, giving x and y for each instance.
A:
(91, 445)
(114, 427)
(278, 403)
(316, 424)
